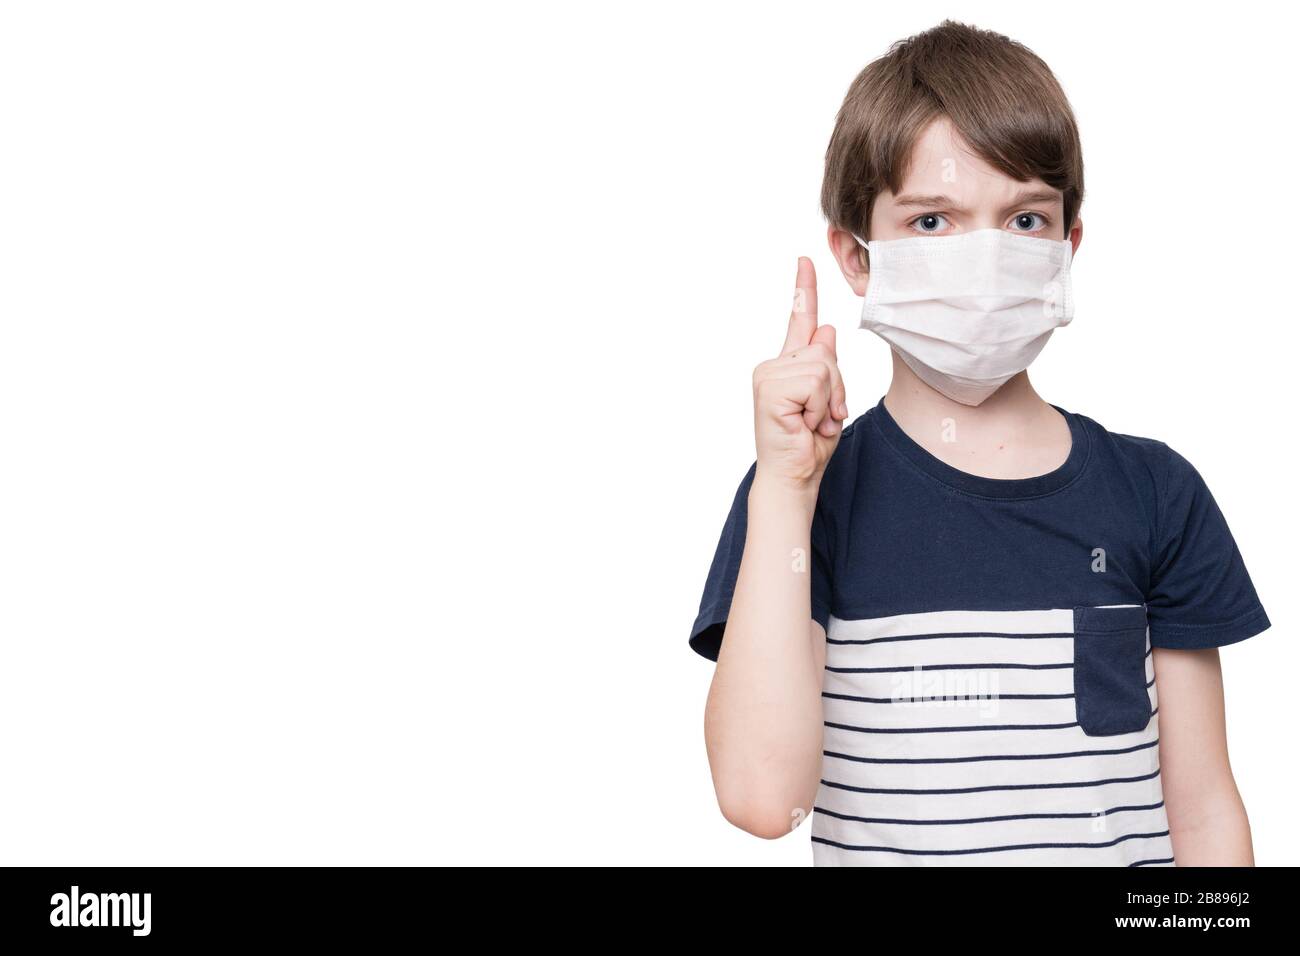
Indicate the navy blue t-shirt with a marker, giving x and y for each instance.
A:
(989, 693)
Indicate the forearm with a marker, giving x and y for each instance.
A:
(1207, 819)
(763, 721)
(1211, 828)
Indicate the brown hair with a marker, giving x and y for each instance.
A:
(1000, 97)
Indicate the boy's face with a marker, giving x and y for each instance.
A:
(948, 191)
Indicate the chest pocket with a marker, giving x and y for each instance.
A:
(1110, 670)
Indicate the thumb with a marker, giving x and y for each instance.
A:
(825, 334)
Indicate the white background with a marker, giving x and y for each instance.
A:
(374, 381)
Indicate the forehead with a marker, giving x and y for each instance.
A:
(943, 163)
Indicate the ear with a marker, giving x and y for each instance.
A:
(852, 258)
(1075, 236)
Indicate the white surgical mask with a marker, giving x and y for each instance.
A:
(967, 312)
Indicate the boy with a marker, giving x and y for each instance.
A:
(948, 624)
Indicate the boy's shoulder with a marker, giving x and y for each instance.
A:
(1141, 456)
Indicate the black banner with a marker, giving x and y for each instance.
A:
(137, 907)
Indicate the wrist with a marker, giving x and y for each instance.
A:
(779, 492)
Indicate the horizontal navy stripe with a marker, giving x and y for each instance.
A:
(1014, 816)
(946, 730)
(1007, 786)
(996, 849)
(1151, 862)
(942, 635)
(947, 667)
(983, 757)
(955, 667)
(921, 700)
(937, 730)
(918, 700)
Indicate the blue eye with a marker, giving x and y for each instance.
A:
(930, 222)
(1025, 222)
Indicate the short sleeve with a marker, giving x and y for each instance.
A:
(720, 585)
(1200, 593)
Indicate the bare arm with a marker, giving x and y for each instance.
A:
(763, 719)
(1207, 819)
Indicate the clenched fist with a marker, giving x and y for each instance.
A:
(799, 396)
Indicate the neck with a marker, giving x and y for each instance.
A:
(1013, 433)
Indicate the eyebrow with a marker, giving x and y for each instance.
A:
(1035, 195)
(947, 202)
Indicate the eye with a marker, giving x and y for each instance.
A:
(1028, 222)
(930, 222)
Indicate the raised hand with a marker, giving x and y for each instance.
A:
(799, 403)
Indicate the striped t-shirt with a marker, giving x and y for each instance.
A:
(989, 697)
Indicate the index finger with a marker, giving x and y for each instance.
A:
(803, 313)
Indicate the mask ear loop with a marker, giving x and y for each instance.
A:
(866, 252)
